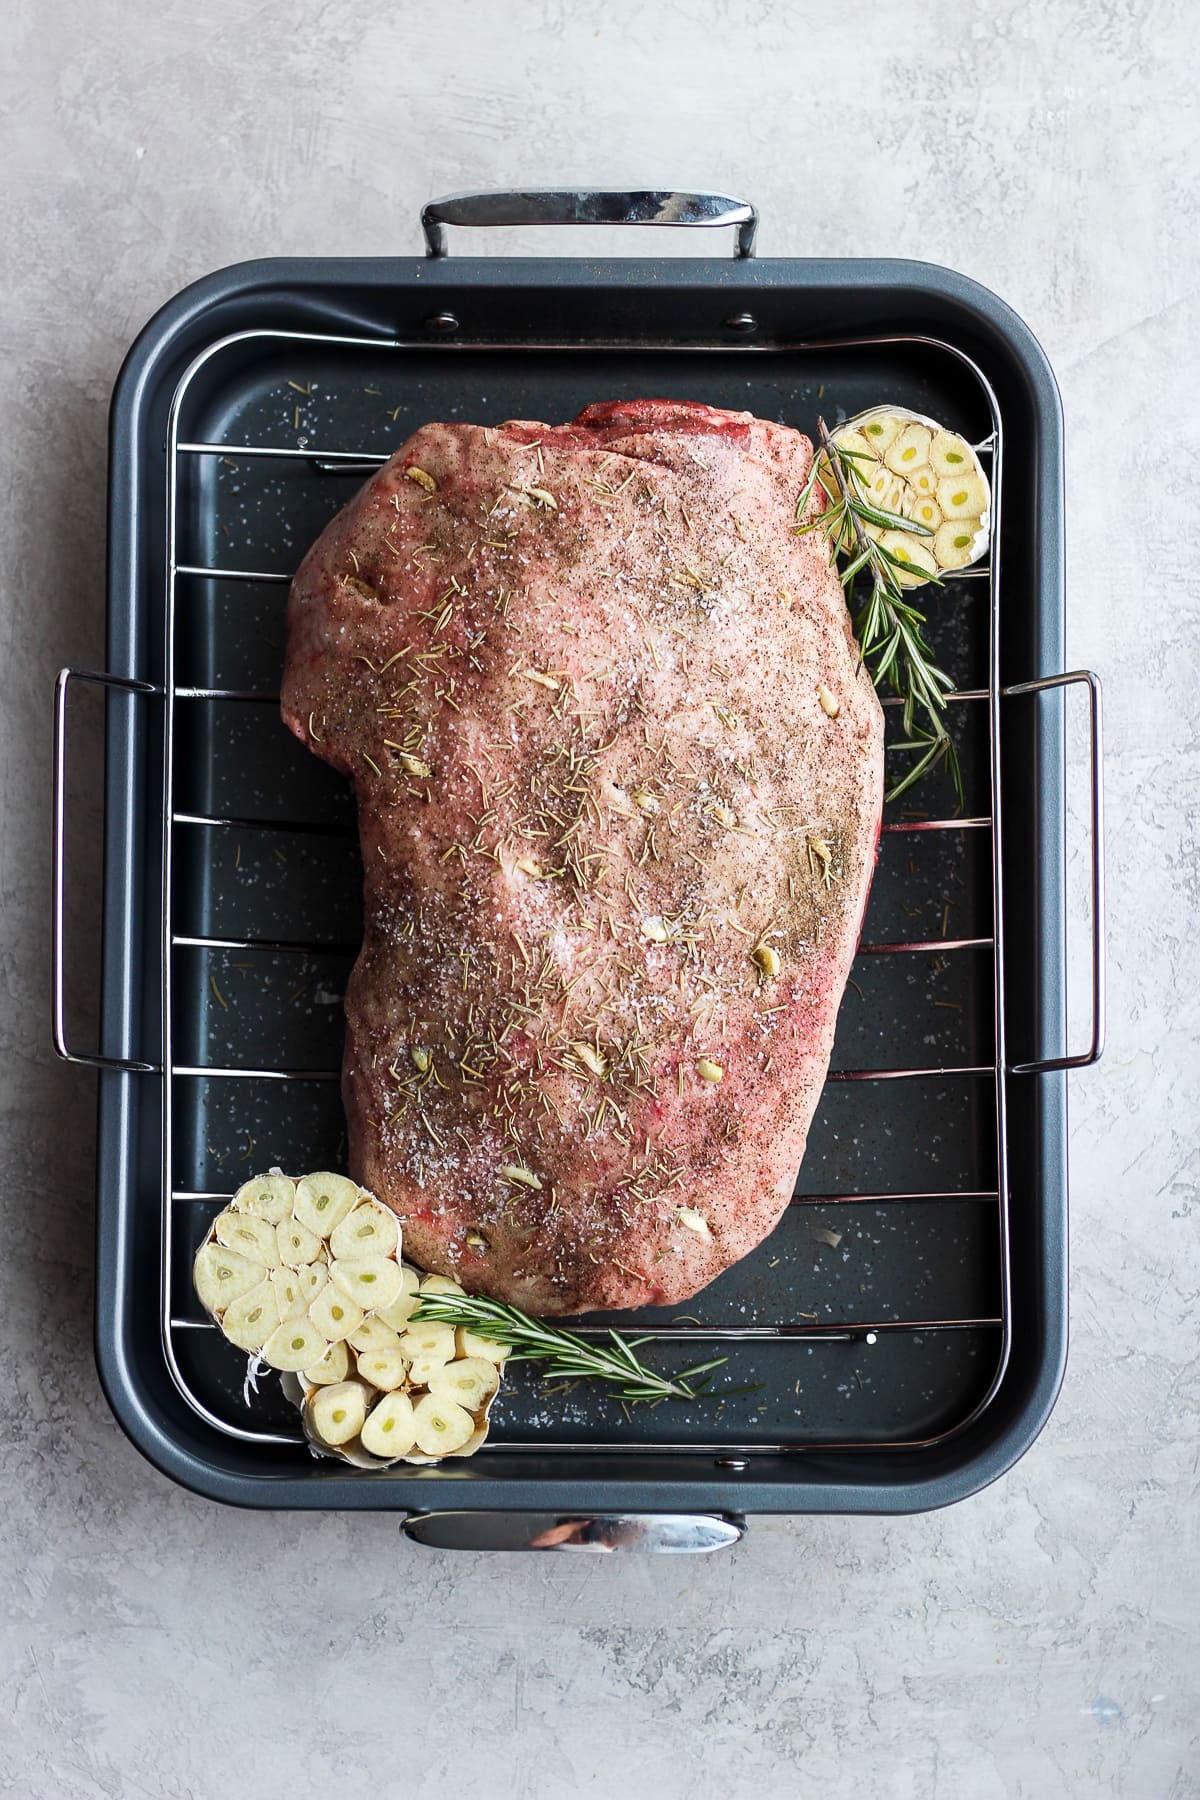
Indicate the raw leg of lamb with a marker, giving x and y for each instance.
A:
(619, 777)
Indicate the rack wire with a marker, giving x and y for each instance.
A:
(184, 452)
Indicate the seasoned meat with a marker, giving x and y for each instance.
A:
(619, 777)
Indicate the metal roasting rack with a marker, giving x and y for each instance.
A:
(183, 454)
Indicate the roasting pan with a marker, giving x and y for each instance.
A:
(903, 1333)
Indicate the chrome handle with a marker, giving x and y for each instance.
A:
(1092, 1054)
(588, 206)
(671, 1534)
(123, 684)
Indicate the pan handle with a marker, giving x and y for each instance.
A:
(670, 1534)
(1045, 1065)
(126, 685)
(588, 206)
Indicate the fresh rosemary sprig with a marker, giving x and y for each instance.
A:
(888, 626)
(566, 1356)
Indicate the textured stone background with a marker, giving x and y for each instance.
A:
(1040, 1639)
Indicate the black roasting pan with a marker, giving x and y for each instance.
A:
(903, 1333)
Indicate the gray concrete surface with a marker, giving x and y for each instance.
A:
(1038, 1640)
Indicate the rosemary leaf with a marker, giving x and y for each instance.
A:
(891, 521)
(935, 750)
(806, 492)
(888, 656)
(852, 568)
